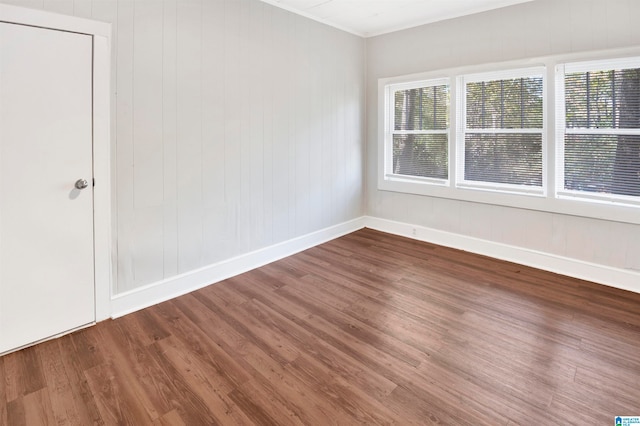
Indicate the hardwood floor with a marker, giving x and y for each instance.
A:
(366, 329)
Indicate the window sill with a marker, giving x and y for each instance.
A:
(565, 205)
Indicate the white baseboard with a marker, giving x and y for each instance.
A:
(624, 279)
(161, 291)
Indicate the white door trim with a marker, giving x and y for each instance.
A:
(102, 208)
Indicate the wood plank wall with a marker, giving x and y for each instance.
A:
(237, 125)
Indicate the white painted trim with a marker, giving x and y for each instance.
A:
(624, 279)
(101, 33)
(617, 209)
(161, 291)
(102, 173)
(178, 285)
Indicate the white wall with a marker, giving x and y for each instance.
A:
(539, 28)
(236, 126)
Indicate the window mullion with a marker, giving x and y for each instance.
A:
(601, 131)
(521, 102)
(501, 103)
(505, 131)
(420, 132)
(588, 82)
(613, 98)
(482, 106)
(435, 105)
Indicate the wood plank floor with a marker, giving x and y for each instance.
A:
(366, 329)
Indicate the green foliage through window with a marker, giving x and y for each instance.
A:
(501, 139)
(421, 155)
(609, 101)
(505, 104)
(495, 109)
(420, 124)
(514, 159)
(424, 108)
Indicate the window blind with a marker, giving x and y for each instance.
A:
(602, 134)
(503, 134)
(420, 131)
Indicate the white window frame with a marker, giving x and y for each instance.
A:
(389, 131)
(463, 130)
(562, 130)
(548, 202)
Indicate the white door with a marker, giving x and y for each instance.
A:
(46, 224)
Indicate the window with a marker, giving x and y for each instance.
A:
(599, 130)
(417, 131)
(497, 146)
(502, 131)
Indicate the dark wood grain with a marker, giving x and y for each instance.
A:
(370, 328)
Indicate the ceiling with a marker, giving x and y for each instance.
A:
(368, 18)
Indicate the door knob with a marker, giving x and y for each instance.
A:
(82, 183)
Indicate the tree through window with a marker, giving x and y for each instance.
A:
(503, 133)
(419, 129)
(602, 135)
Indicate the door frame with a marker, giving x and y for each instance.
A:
(104, 260)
